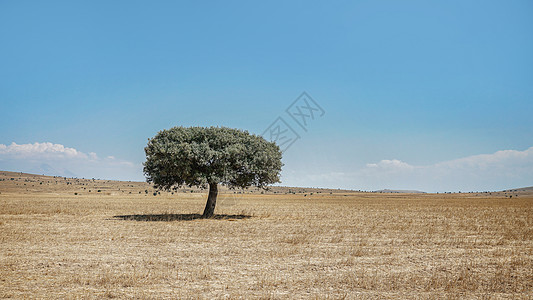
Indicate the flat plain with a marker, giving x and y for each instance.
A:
(82, 238)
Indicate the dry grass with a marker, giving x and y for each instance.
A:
(325, 246)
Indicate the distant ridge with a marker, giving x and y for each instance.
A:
(48, 170)
(27, 182)
(400, 191)
(523, 189)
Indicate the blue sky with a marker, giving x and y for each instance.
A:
(415, 93)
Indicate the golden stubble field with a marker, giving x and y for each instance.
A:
(55, 244)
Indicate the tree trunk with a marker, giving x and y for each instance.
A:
(209, 210)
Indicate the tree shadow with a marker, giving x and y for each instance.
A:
(178, 217)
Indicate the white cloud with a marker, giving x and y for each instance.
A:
(390, 165)
(502, 160)
(496, 171)
(40, 150)
(500, 170)
(93, 156)
(56, 159)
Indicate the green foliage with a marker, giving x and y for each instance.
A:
(198, 156)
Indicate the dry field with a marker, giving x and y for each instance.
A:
(119, 243)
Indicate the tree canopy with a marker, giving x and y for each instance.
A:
(207, 156)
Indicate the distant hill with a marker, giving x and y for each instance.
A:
(400, 191)
(47, 169)
(19, 182)
(524, 189)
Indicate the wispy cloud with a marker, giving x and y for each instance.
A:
(496, 171)
(390, 165)
(56, 159)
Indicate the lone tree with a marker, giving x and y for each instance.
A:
(208, 156)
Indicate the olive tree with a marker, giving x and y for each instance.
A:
(208, 156)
